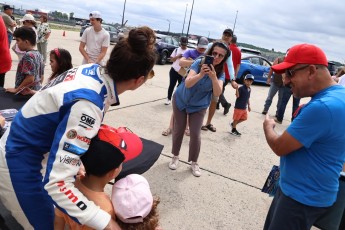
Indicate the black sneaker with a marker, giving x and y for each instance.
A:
(227, 108)
(235, 133)
(264, 112)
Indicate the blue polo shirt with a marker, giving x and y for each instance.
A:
(197, 97)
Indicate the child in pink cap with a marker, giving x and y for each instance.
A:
(134, 205)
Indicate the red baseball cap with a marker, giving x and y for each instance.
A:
(122, 139)
(301, 54)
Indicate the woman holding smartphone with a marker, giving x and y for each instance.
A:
(203, 84)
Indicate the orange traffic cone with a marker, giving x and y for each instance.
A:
(63, 34)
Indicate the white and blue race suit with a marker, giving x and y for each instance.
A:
(40, 152)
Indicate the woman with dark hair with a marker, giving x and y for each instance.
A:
(203, 84)
(60, 61)
(57, 124)
(43, 34)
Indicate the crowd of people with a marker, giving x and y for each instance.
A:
(69, 108)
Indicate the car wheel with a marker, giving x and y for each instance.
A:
(163, 58)
(241, 80)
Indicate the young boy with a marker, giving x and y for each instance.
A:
(30, 69)
(243, 95)
(134, 205)
(102, 162)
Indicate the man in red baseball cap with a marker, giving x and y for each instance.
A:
(311, 149)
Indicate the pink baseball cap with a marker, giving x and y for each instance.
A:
(132, 198)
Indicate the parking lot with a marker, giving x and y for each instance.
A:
(227, 195)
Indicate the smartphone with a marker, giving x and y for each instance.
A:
(208, 60)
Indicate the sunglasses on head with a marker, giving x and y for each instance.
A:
(223, 45)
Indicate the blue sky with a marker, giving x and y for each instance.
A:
(277, 24)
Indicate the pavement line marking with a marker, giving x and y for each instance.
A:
(142, 103)
(215, 173)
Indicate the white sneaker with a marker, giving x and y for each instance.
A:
(167, 102)
(195, 169)
(174, 163)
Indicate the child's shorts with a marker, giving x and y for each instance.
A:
(240, 115)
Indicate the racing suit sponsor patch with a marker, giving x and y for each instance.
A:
(87, 120)
(84, 139)
(71, 134)
(92, 72)
(70, 195)
(73, 149)
(65, 76)
(70, 160)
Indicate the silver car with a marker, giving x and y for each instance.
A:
(114, 38)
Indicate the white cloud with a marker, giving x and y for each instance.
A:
(275, 24)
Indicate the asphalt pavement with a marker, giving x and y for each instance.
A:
(234, 169)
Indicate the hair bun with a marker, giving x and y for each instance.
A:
(141, 39)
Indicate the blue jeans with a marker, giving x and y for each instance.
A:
(271, 93)
(10, 38)
(285, 99)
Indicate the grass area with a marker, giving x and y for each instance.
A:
(53, 25)
(63, 27)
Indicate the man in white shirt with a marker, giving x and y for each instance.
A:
(95, 39)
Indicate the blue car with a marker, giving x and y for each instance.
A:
(256, 65)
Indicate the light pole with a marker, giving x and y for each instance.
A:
(184, 18)
(233, 31)
(169, 26)
(123, 14)
(208, 36)
(190, 18)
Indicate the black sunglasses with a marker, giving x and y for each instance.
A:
(290, 72)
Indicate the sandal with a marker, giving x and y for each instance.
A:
(204, 128)
(167, 132)
(187, 132)
(209, 127)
